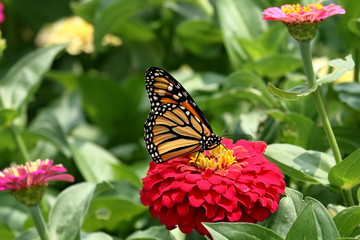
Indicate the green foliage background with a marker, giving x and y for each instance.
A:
(87, 111)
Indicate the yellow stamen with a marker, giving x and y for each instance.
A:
(297, 8)
(218, 158)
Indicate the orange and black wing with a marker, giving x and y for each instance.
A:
(175, 125)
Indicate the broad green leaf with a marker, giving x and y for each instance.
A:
(240, 19)
(200, 37)
(275, 66)
(152, 233)
(308, 166)
(289, 208)
(346, 173)
(305, 226)
(249, 86)
(85, 9)
(6, 117)
(111, 14)
(347, 220)
(6, 233)
(313, 222)
(299, 130)
(349, 93)
(282, 93)
(240, 231)
(58, 119)
(67, 214)
(99, 95)
(30, 234)
(341, 67)
(22, 80)
(97, 164)
(12, 212)
(354, 26)
(108, 212)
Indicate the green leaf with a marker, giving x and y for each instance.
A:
(240, 231)
(313, 222)
(275, 66)
(85, 9)
(308, 166)
(305, 226)
(152, 233)
(200, 37)
(111, 14)
(349, 93)
(240, 19)
(108, 212)
(22, 80)
(282, 93)
(67, 214)
(346, 173)
(6, 233)
(58, 119)
(6, 117)
(249, 86)
(300, 130)
(341, 67)
(97, 164)
(347, 220)
(289, 208)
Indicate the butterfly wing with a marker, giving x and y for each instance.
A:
(175, 126)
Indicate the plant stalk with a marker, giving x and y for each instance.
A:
(39, 222)
(309, 71)
(20, 144)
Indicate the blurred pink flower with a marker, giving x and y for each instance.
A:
(32, 174)
(296, 13)
(2, 15)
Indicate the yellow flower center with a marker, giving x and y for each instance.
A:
(297, 8)
(218, 158)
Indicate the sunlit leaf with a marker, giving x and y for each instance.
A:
(346, 173)
(341, 67)
(241, 231)
(69, 210)
(347, 220)
(58, 119)
(308, 166)
(22, 80)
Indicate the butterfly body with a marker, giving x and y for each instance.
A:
(175, 125)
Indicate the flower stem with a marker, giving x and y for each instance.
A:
(309, 71)
(20, 144)
(357, 64)
(39, 222)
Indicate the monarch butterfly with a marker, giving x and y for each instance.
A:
(175, 125)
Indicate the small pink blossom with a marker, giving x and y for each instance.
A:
(2, 15)
(298, 14)
(32, 174)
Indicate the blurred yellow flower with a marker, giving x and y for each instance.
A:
(347, 77)
(322, 68)
(75, 31)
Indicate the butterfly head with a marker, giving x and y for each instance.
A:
(211, 142)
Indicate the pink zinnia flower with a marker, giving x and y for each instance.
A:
(297, 13)
(231, 183)
(2, 15)
(302, 21)
(24, 180)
